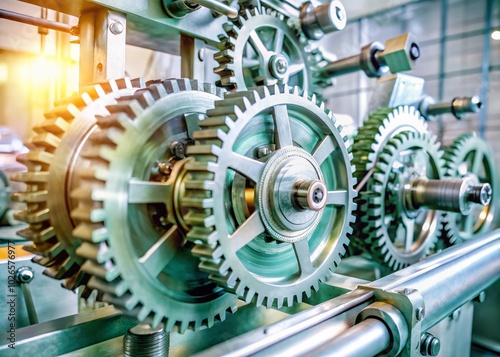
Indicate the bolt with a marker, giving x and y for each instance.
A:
(318, 195)
(480, 194)
(116, 28)
(429, 345)
(165, 168)
(24, 275)
(420, 314)
(414, 51)
(263, 152)
(178, 149)
(281, 66)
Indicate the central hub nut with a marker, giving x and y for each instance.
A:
(278, 65)
(311, 195)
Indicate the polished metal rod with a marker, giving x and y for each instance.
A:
(218, 7)
(35, 21)
(449, 279)
(366, 339)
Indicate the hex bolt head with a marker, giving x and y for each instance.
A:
(116, 28)
(420, 314)
(24, 275)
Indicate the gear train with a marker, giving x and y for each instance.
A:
(187, 202)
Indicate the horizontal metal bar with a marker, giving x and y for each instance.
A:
(262, 338)
(36, 21)
(368, 338)
(59, 336)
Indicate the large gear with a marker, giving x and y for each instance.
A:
(264, 49)
(129, 207)
(372, 138)
(390, 231)
(470, 155)
(49, 179)
(270, 220)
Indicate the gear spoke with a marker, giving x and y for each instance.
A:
(250, 62)
(247, 166)
(294, 69)
(323, 150)
(409, 233)
(148, 191)
(279, 38)
(283, 132)
(245, 233)
(161, 253)
(477, 162)
(303, 255)
(337, 198)
(258, 45)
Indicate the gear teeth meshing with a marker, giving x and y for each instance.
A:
(459, 160)
(56, 254)
(372, 234)
(132, 117)
(203, 191)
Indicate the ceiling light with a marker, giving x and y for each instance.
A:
(495, 35)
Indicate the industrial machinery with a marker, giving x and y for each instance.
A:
(228, 213)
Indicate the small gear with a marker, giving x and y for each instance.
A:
(130, 214)
(49, 179)
(390, 231)
(265, 49)
(271, 193)
(470, 155)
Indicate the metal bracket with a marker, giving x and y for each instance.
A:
(411, 304)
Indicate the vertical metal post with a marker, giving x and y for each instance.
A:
(442, 60)
(102, 46)
(192, 58)
(485, 68)
(362, 78)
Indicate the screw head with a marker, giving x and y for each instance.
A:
(278, 66)
(178, 149)
(116, 28)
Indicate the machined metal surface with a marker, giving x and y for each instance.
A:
(134, 242)
(275, 252)
(62, 137)
(263, 49)
(322, 19)
(391, 149)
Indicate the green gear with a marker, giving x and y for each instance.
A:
(129, 209)
(470, 155)
(50, 177)
(392, 234)
(254, 143)
(253, 43)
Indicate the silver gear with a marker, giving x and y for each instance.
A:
(49, 179)
(470, 155)
(133, 241)
(251, 239)
(266, 49)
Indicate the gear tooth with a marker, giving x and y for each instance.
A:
(259, 299)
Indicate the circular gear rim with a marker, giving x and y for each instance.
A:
(454, 156)
(130, 286)
(211, 234)
(51, 235)
(232, 47)
(374, 233)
